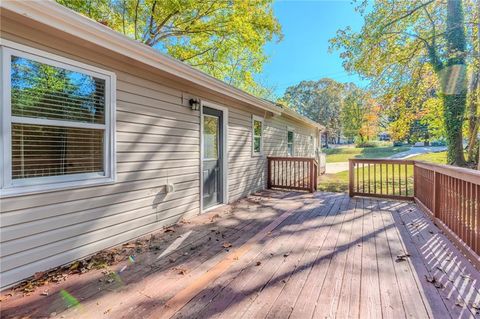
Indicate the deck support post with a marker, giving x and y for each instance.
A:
(351, 174)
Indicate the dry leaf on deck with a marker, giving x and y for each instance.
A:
(227, 244)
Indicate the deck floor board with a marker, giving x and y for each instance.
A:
(293, 255)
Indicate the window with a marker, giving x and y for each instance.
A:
(257, 135)
(290, 142)
(210, 137)
(58, 122)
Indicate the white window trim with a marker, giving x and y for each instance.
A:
(291, 129)
(10, 187)
(261, 120)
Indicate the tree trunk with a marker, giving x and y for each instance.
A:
(454, 109)
(453, 79)
(474, 97)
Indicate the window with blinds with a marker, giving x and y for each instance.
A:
(59, 121)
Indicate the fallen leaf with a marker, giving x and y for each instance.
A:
(460, 303)
(259, 263)
(401, 258)
(434, 281)
(179, 270)
(106, 311)
(169, 230)
(44, 293)
(38, 275)
(441, 269)
(129, 245)
(286, 255)
(227, 244)
(466, 277)
(212, 219)
(75, 265)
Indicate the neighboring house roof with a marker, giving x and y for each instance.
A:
(59, 17)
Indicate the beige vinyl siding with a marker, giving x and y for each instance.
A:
(157, 142)
(276, 129)
(246, 173)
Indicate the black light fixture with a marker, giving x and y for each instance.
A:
(194, 104)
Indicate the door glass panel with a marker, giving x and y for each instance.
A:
(210, 137)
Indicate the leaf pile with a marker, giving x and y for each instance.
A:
(100, 260)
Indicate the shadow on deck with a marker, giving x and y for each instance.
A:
(279, 255)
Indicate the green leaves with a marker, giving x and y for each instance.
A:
(224, 38)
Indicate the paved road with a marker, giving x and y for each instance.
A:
(333, 168)
(414, 151)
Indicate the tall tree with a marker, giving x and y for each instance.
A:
(357, 115)
(224, 38)
(398, 38)
(321, 101)
(474, 94)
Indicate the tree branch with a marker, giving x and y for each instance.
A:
(408, 14)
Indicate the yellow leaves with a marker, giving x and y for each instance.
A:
(222, 38)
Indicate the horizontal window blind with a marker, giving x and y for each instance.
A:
(40, 150)
(40, 90)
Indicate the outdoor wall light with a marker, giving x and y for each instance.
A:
(194, 104)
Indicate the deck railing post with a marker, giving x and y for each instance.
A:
(436, 193)
(269, 173)
(311, 177)
(351, 167)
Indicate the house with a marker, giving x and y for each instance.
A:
(105, 139)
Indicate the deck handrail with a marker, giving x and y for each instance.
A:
(390, 178)
(449, 195)
(296, 173)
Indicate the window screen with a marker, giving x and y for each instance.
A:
(290, 140)
(257, 136)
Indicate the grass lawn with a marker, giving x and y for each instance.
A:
(335, 155)
(339, 182)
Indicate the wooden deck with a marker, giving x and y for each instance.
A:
(320, 255)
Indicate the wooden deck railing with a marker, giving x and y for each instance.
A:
(381, 178)
(449, 195)
(297, 173)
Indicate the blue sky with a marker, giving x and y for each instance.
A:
(303, 53)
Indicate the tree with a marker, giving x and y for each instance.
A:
(474, 94)
(413, 109)
(321, 101)
(357, 116)
(223, 38)
(399, 38)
